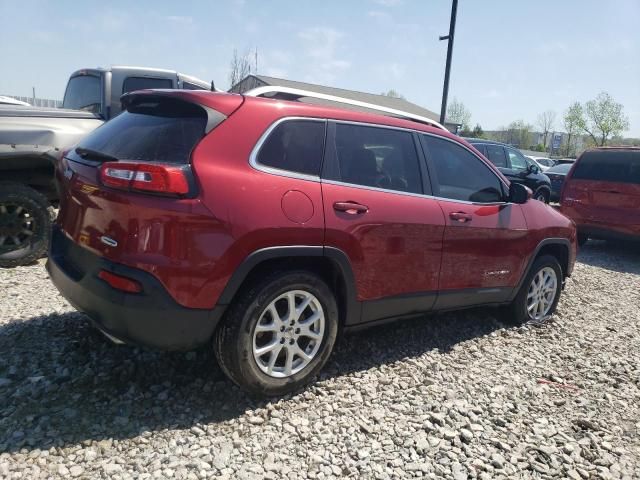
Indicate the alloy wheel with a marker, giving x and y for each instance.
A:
(288, 334)
(17, 226)
(542, 293)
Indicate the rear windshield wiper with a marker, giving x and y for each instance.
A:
(95, 154)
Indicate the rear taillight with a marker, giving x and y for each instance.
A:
(119, 282)
(146, 177)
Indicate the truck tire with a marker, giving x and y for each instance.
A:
(25, 224)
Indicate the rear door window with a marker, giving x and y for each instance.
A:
(480, 148)
(151, 129)
(609, 166)
(375, 157)
(495, 153)
(142, 83)
(459, 174)
(295, 146)
(83, 93)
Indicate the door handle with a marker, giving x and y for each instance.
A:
(351, 208)
(460, 217)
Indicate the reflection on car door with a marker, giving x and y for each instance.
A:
(482, 259)
(376, 212)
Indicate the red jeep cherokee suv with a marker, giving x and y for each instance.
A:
(269, 226)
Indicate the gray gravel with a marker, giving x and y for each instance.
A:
(455, 396)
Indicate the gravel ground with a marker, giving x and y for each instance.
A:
(454, 396)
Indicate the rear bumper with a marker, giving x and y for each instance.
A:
(151, 318)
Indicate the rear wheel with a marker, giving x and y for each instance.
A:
(25, 225)
(541, 195)
(538, 297)
(278, 334)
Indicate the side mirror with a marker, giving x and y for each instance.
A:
(518, 193)
(533, 168)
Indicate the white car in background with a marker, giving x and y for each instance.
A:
(544, 163)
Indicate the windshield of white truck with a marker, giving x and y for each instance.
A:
(83, 93)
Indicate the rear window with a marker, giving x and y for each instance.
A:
(562, 168)
(296, 146)
(83, 93)
(132, 84)
(151, 129)
(609, 166)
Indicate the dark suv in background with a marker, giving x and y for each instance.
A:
(515, 166)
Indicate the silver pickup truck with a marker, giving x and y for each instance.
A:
(32, 139)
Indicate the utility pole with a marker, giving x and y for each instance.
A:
(452, 29)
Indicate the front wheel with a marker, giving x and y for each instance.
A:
(278, 334)
(538, 297)
(542, 195)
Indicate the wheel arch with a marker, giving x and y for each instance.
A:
(331, 264)
(556, 247)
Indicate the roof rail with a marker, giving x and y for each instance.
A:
(297, 94)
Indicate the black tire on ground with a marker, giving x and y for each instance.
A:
(516, 312)
(233, 340)
(25, 224)
(542, 195)
(582, 239)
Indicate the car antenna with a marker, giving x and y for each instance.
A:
(213, 87)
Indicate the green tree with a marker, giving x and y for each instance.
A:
(477, 131)
(458, 113)
(604, 118)
(392, 93)
(519, 133)
(573, 121)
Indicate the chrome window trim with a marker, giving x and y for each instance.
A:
(253, 157)
(409, 194)
(253, 161)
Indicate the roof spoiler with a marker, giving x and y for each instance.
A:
(295, 94)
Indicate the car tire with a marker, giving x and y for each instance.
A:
(25, 224)
(250, 327)
(582, 239)
(542, 195)
(534, 294)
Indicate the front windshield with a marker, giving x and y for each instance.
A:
(83, 93)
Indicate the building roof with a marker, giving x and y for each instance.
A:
(252, 81)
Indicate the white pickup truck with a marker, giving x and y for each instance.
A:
(32, 139)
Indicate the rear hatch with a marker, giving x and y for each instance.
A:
(604, 188)
(129, 193)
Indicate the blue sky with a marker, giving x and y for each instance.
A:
(512, 59)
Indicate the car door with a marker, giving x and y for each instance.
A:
(376, 211)
(483, 247)
(518, 169)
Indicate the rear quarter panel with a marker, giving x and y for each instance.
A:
(245, 202)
